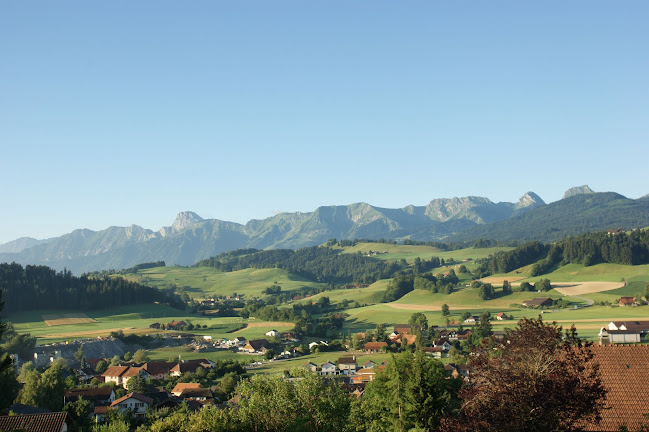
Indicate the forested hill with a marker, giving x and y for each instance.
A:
(40, 287)
(320, 264)
(587, 249)
(570, 216)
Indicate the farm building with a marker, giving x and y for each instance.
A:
(607, 337)
(627, 301)
(257, 345)
(538, 302)
(374, 347)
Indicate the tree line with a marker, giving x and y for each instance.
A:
(587, 249)
(41, 287)
(322, 264)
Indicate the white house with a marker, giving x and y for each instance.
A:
(328, 368)
(121, 374)
(272, 333)
(347, 365)
(134, 402)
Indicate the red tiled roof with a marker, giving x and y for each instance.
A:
(133, 395)
(196, 392)
(375, 345)
(158, 367)
(182, 386)
(633, 325)
(115, 371)
(97, 393)
(48, 422)
(100, 410)
(132, 371)
(624, 370)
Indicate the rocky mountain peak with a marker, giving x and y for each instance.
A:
(578, 190)
(529, 200)
(183, 220)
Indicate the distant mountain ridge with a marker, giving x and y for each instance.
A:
(191, 238)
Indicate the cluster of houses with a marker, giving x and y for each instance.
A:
(103, 399)
(120, 375)
(358, 375)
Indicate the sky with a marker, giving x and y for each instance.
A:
(118, 113)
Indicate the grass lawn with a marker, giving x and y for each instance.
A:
(203, 282)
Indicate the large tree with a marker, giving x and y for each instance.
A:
(412, 392)
(536, 379)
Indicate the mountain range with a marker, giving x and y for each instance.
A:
(191, 238)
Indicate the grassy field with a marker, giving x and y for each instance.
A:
(410, 252)
(136, 319)
(370, 295)
(204, 282)
(201, 282)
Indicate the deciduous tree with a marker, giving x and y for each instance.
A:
(537, 379)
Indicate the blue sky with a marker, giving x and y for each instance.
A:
(122, 112)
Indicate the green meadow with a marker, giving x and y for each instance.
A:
(136, 319)
(410, 252)
(204, 282)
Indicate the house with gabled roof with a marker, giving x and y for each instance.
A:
(158, 369)
(640, 326)
(198, 394)
(442, 343)
(627, 301)
(369, 364)
(375, 347)
(365, 375)
(188, 366)
(311, 366)
(176, 325)
(537, 302)
(347, 365)
(257, 345)
(178, 389)
(623, 332)
(607, 337)
(96, 395)
(134, 402)
(328, 368)
(121, 374)
(42, 422)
